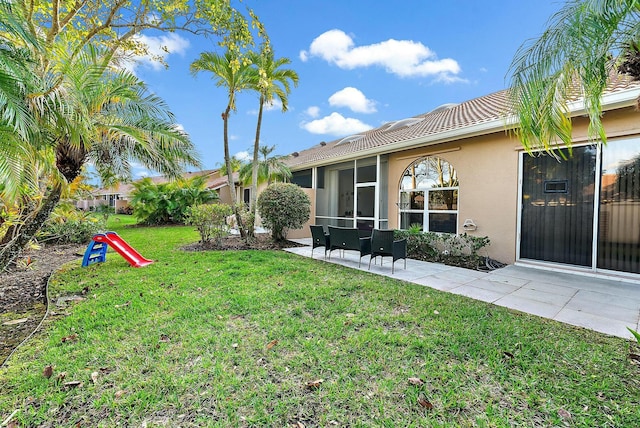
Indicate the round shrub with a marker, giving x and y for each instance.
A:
(283, 206)
(210, 220)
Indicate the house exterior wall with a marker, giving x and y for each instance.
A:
(304, 231)
(225, 194)
(487, 169)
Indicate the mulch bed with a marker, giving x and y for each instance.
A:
(22, 291)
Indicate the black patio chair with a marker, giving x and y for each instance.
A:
(320, 239)
(347, 238)
(384, 245)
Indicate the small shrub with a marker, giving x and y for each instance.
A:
(127, 210)
(67, 225)
(283, 206)
(210, 221)
(455, 250)
(105, 211)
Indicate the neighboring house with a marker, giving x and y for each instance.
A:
(457, 169)
(118, 196)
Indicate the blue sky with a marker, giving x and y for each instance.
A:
(360, 63)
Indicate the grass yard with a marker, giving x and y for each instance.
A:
(270, 339)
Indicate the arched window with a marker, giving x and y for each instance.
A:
(429, 196)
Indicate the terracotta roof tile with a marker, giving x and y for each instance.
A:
(485, 109)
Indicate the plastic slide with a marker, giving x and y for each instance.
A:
(121, 246)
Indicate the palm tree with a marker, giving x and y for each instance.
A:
(107, 117)
(271, 82)
(231, 71)
(573, 56)
(269, 169)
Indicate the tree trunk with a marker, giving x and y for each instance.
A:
(10, 251)
(254, 171)
(232, 185)
(69, 161)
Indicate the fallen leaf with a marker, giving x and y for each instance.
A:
(14, 322)
(507, 354)
(314, 384)
(425, 403)
(73, 384)
(298, 424)
(164, 338)
(48, 371)
(416, 381)
(564, 414)
(436, 312)
(71, 338)
(271, 344)
(123, 305)
(61, 375)
(94, 377)
(120, 393)
(234, 345)
(85, 290)
(634, 357)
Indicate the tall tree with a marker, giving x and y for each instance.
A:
(270, 168)
(109, 118)
(271, 82)
(232, 72)
(573, 57)
(47, 129)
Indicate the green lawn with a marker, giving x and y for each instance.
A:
(270, 339)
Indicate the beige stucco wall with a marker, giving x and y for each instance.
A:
(304, 231)
(487, 169)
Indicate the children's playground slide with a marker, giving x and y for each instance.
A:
(97, 250)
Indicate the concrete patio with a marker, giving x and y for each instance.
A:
(604, 305)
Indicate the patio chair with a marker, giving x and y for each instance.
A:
(320, 239)
(347, 238)
(384, 245)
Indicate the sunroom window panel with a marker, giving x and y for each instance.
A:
(619, 215)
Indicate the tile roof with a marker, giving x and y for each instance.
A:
(428, 127)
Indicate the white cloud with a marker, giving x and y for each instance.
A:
(143, 174)
(335, 124)
(243, 156)
(404, 58)
(158, 49)
(275, 104)
(313, 111)
(353, 99)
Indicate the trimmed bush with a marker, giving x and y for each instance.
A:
(283, 206)
(210, 221)
(67, 225)
(455, 250)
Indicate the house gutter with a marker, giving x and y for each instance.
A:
(611, 101)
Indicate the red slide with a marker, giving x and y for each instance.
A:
(121, 246)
